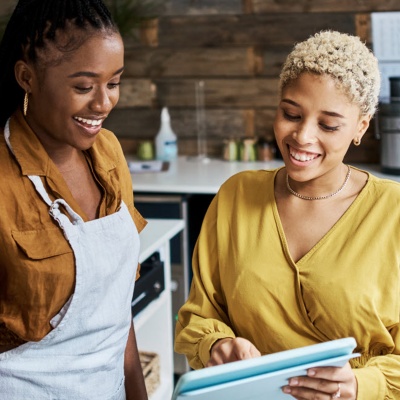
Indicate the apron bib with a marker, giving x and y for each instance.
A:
(83, 356)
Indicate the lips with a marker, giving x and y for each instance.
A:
(91, 123)
(302, 156)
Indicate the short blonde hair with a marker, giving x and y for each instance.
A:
(343, 57)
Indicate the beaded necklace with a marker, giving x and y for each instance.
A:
(319, 197)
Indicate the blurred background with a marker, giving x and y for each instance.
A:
(235, 48)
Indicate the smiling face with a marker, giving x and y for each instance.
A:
(314, 126)
(71, 96)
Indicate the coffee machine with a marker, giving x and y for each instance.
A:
(388, 118)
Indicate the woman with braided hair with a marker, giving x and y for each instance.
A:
(68, 225)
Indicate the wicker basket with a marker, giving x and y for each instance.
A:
(151, 370)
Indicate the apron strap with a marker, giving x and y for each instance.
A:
(60, 217)
(37, 182)
(7, 135)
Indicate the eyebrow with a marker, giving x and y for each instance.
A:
(91, 74)
(329, 113)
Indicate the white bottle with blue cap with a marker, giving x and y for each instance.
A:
(166, 140)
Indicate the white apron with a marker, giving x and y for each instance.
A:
(82, 358)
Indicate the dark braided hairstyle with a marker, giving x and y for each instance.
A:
(32, 24)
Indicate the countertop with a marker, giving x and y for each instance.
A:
(156, 233)
(194, 176)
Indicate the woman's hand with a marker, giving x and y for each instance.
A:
(324, 383)
(228, 350)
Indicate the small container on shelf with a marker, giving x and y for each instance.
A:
(145, 150)
(166, 139)
(230, 150)
(266, 149)
(247, 149)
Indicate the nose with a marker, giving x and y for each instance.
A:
(304, 134)
(102, 101)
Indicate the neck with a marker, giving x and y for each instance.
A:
(331, 193)
(67, 160)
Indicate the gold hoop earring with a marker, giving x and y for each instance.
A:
(356, 142)
(26, 101)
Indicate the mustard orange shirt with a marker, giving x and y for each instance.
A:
(37, 269)
(245, 282)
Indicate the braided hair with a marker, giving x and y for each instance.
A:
(32, 24)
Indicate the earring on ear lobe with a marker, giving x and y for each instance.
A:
(356, 142)
(26, 101)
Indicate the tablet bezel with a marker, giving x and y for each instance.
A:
(220, 374)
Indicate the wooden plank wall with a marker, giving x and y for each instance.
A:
(236, 47)
(6, 6)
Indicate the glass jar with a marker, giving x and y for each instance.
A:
(230, 150)
(145, 150)
(247, 150)
(265, 149)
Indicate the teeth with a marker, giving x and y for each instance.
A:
(302, 156)
(93, 122)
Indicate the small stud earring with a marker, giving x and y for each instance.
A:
(356, 142)
(26, 101)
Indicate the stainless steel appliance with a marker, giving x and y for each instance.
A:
(389, 129)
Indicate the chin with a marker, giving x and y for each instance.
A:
(85, 145)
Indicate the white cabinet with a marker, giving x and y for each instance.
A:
(153, 325)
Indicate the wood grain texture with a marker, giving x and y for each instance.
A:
(316, 6)
(136, 93)
(191, 62)
(269, 60)
(132, 126)
(367, 152)
(264, 121)
(363, 27)
(202, 7)
(219, 93)
(7, 6)
(237, 47)
(140, 124)
(249, 30)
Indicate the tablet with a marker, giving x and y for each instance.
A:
(261, 377)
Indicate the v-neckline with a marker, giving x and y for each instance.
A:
(325, 237)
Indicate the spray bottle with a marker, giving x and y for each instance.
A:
(166, 141)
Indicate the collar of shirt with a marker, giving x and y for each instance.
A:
(33, 158)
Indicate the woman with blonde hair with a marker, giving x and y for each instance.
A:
(309, 252)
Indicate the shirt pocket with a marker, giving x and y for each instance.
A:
(43, 268)
(42, 244)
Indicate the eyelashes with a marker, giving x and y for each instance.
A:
(297, 118)
(87, 89)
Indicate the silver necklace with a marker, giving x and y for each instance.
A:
(319, 197)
